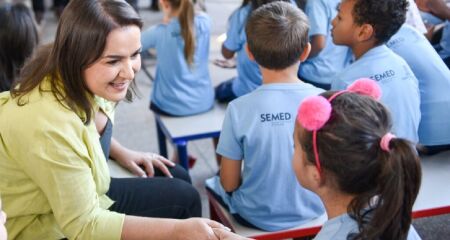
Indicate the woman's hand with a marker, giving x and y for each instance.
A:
(197, 228)
(143, 164)
(223, 234)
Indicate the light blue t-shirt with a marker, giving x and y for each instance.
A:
(400, 90)
(248, 74)
(445, 41)
(180, 89)
(340, 227)
(258, 129)
(434, 84)
(332, 59)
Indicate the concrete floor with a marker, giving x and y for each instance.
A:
(135, 125)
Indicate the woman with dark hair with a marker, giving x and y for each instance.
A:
(18, 38)
(55, 180)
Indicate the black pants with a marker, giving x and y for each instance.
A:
(159, 196)
(224, 91)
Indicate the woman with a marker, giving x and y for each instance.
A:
(55, 182)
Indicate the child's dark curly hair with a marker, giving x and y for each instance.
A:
(385, 16)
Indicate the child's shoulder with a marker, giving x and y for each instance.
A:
(264, 93)
(241, 14)
(202, 21)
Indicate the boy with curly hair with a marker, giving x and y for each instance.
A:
(365, 26)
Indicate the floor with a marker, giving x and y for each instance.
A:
(135, 125)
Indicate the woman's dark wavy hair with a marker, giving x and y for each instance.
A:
(80, 41)
(385, 184)
(385, 16)
(18, 38)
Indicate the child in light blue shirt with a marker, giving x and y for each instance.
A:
(326, 59)
(258, 127)
(365, 31)
(248, 74)
(182, 83)
(434, 83)
(367, 178)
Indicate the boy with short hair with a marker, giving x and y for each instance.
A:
(365, 26)
(258, 127)
(326, 59)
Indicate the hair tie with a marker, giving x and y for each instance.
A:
(315, 111)
(385, 140)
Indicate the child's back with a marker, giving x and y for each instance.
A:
(258, 127)
(434, 82)
(364, 26)
(399, 85)
(340, 227)
(179, 88)
(331, 59)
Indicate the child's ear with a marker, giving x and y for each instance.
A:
(305, 52)
(366, 32)
(319, 179)
(249, 54)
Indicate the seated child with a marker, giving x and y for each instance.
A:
(258, 127)
(248, 74)
(434, 82)
(367, 178)
(182, 83)
(326, 59)
(365, 26)
(18, 38)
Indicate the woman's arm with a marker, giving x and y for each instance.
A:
(133, 160)
(165, 229)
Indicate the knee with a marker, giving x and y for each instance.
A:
(189, 197)
(180, 173)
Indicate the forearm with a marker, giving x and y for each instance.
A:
(148, 228)
(230, 174)
(439, 8)
(117, 151)
(317, 44)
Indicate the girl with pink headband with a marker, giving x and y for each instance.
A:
(367, 178)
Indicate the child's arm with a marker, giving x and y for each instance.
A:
(226, 53)
(317, 44)
(230, 174)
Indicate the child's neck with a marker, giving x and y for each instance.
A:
(361, 48)
(335, 203)
(287, 75)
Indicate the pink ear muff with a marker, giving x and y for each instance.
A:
(314, 112)
(366, 86)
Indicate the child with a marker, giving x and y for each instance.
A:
(367, 178)
(18, 38)
(182, 84)
(364, 26)
(325, 59)
(248, 74)
(434, 82)
(258, 127)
